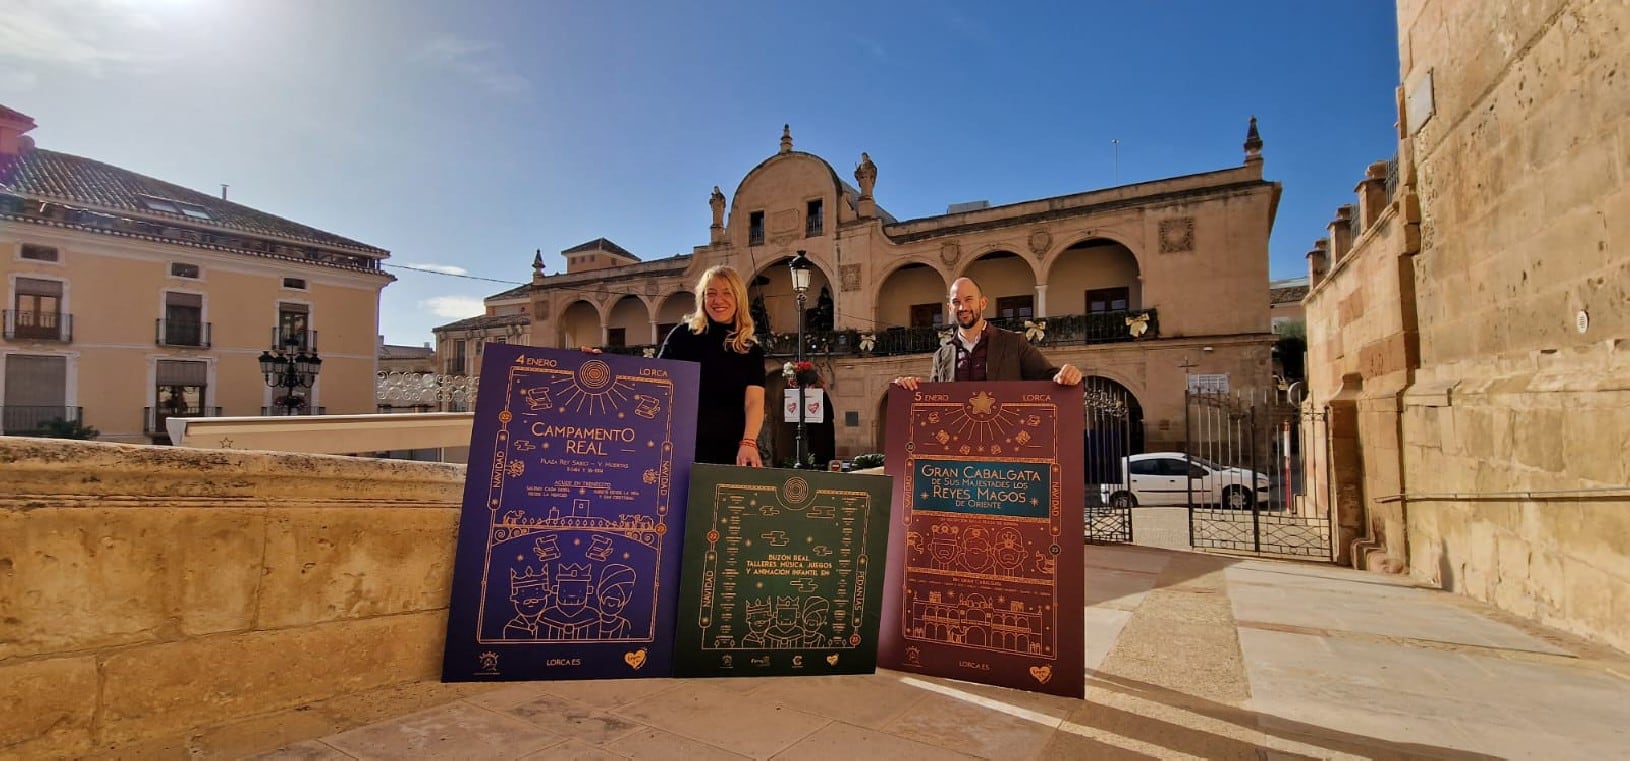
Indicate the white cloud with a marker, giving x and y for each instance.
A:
(445, 269)
(479, 61)
(453, 307)
(83, 35)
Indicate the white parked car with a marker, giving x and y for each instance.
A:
(1164, 478)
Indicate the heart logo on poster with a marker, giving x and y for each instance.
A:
(1042, 673)
(636, 659)
(832, 660)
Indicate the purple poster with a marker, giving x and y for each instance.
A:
(573, 517)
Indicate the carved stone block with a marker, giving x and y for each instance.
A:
(850, 274)
(1176, 235)
(1040, 241)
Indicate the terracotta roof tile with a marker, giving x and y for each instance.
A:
(49, 175)
(485, 321)
(601, 244)
(1289, 295)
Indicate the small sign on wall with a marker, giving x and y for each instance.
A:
(1209, 383)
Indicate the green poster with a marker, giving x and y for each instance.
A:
(782, 572)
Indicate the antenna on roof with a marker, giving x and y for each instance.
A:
(224, 186)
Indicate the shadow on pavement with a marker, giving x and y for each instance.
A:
(1127, 561)
(1210, 745)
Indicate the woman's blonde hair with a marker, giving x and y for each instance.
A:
(741, 338)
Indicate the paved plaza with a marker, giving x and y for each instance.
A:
(1188, 656)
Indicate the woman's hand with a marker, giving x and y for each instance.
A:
(747, 454)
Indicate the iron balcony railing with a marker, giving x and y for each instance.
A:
(276, 411)
(28, 419)
(153, 417)
(25, 325)
(182, 333)
(632, 351)
(1057, 330)
(298, 340)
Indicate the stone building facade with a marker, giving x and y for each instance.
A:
(1135, 284)
(1469, 321)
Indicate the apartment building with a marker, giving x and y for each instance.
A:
(130, 300)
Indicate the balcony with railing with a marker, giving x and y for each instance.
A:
(25, 325)
(190, 333)
(153, 418)
(638, 350)
(297, 340)
(284, 411)
(30, 419)
(1053, 331)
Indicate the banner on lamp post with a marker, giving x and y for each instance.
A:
(814, 407)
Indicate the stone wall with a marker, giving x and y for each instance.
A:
(157, 599)
(1362, 350)
(1516, 428)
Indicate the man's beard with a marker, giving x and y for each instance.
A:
(969, 322)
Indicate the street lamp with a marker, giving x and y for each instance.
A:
(800, 285)
(290, 368)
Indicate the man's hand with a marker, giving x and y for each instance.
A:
(1068, 375)
(909, 382)
(747, 454)
(589, 350)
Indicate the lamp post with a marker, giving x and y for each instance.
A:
(290, 367)
(800, 285)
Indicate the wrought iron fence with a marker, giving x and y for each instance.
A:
(397, 388)
(25, 419)
(1246, 491)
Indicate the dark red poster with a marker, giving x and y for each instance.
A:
(984, 565)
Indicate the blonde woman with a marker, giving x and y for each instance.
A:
(719, 337)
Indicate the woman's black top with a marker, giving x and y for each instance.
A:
(721, 413)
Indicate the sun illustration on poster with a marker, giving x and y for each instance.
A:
(594, 388)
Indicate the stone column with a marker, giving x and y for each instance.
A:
(1041, 300)
(1318, 263)
(1341, 233)
(1372, 194)
(655, 337)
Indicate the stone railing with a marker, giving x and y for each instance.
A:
(165, 601)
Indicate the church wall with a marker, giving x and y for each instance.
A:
(1516, 429)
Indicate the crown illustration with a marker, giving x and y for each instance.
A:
(758, 606)
(574, 573)
(527, 578)
(782, 603)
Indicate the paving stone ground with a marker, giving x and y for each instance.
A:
(1188, 656)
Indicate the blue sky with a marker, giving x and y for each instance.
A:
(462, 136)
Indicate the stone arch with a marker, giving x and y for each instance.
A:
(910, 288)
(1114, 428)
(672, 311)
(580, 324)
(772, 282)
(1008, 280)
(1098, 266)
(632, 316)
